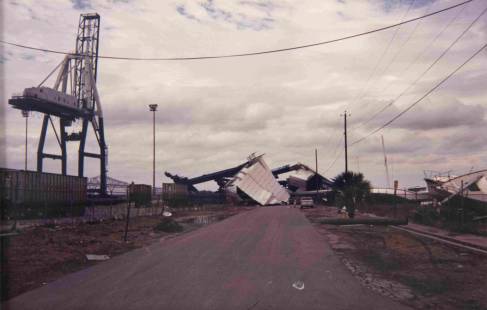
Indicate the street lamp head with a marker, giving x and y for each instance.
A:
(25, 113)
(153, 107)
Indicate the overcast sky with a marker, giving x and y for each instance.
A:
(214, 113)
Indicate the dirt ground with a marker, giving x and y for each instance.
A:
(417, 271)
(40, 255)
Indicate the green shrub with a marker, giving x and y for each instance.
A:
(43, 210)
(177, 201)
(378, 198)
(350, 190)
(425, 215)
(169, 225)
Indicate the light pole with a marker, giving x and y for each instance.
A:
(316, 173)
(25, 114)
(153, 109)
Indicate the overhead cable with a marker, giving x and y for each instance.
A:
(427, 69)
(416, 59)
(335, 153)
(422, 97)
(333, 162)
(379, 60)
(400, 49)
(250, 53)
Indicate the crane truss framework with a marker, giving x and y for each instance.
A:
(76, 78)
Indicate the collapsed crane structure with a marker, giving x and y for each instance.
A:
(254, 179)
(73, 97)
(220, 177)
(301, 178)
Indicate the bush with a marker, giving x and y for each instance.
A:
(177, 201)
(169, 225)
(425, 215)
(42, 210)
(378, 198)
(350, 189)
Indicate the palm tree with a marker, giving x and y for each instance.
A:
(350, 189)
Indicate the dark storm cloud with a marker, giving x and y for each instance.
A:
(181, 9)
(81, 4)
(402, 142)
(436, 113)
(28, 57)
(469, 138)
(469, 83)
(390, 5)
(236, 17)
(244, 117)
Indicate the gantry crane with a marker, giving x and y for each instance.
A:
(74, 96)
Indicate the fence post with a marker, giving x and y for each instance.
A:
(127, 222)
(71, 210)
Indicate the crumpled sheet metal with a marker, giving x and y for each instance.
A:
(258, 182)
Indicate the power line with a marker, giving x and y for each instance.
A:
(379, 61)
(333, 162)
(400, 49)
(427, 69)
(335, 152)
(420, 99)
(250, 53)
(418, 56)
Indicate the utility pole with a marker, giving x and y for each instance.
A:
(153, 109)
(25, 114)
(345, 134)
(316, 172)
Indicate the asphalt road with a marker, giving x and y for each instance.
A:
(248, 261)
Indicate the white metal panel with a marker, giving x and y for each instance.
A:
(449, 187)
(259, 183)
(455, 184)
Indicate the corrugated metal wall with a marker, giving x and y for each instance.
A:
(19, 187)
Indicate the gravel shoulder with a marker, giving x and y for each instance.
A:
(417, 271)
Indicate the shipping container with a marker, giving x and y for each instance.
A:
(174, 188)
(140, 194)
(32, 189)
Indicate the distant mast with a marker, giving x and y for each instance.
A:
(385, 162)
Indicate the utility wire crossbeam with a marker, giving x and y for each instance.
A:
(74, 96)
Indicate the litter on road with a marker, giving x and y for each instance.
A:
(97, 257)
(299, 285)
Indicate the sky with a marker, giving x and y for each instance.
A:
(213, 113)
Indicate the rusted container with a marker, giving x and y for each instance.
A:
(31, 188)
(174, 188)
(141, 194)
